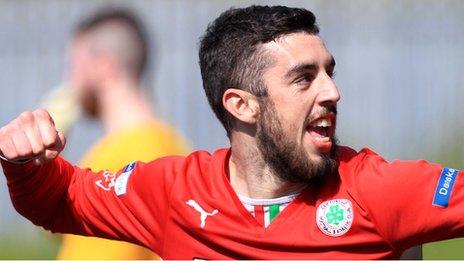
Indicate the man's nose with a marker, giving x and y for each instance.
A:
(328, 93)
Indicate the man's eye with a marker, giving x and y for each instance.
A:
(332, 74)
(304, 79)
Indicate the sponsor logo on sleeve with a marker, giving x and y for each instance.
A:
(121, 182)
(444, 187)
(335, 217)
(129, 167)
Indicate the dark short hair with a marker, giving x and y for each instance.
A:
(123, 16)
(230, 56)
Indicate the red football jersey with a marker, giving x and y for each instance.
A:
(185, 207)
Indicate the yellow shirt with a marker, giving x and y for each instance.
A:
(143, 142)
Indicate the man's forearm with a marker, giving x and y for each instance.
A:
(39, 192)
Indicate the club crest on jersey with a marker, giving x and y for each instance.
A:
(334, 217)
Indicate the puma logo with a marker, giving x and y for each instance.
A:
(203, 213)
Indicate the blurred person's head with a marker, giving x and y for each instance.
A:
(267, 76)
(108, 47)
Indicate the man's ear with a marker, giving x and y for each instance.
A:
(241, 104)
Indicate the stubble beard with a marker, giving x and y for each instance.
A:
(89, 104)
(288, 161)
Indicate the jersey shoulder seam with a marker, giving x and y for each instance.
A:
(363, 205)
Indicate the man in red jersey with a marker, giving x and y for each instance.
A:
(284, 189)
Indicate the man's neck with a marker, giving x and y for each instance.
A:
(252, 177)
(123, 105)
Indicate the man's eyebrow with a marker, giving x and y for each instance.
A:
(299, 68)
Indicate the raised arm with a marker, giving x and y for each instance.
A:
(60, 197)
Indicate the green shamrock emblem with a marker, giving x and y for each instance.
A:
(335, 215)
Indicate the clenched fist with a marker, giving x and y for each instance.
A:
(31, 136)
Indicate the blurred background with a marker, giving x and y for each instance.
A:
(399, 69)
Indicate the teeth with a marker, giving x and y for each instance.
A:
(323, 139)
(322, 123)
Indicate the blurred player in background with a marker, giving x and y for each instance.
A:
(108, 55)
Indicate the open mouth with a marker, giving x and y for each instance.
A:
(321, 130)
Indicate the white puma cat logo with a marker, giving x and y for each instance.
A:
(203, 213)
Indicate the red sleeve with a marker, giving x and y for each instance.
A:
(399, 197)
(131, 205)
